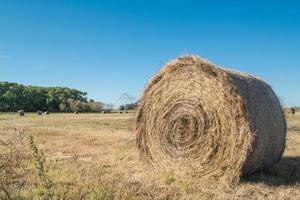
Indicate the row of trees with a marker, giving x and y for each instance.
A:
(128, 106)
(72, 105)
(15, 97)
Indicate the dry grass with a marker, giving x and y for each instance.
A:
(93, 156)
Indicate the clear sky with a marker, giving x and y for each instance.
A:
(109, 47)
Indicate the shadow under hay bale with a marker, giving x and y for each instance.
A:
(21, 113)
(286, 172)
(195, 118)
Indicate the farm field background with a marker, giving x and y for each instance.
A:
(93, 156)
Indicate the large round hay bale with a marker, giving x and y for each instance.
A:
(39, 112)
(47, 113)
(21, 112)
(196, 118)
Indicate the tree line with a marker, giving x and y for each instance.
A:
(14, 97)
(128, 106)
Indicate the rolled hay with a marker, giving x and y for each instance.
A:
(104, 111)
(289, 110)
(195, 118)
(47, 113)
(21, 113)
(39, 112)
(76, 112)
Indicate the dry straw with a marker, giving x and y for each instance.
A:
(195, 118)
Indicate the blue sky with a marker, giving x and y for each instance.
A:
(107, 48)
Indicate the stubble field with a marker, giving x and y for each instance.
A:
(93, 156)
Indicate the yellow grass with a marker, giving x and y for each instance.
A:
(93, 156)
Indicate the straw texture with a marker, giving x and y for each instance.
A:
(195, 118)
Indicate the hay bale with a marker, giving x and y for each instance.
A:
(290, 110)
(39, 112)
(47, 113)
(196, 118)
(106, 111)
(76, 112)
(21, 113)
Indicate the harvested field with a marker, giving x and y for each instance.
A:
(93, 156)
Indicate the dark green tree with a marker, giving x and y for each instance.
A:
(15, 97)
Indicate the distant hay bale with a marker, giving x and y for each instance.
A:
(47, 113)
(289, 110)
(21, 112)
(76, 112)
(39, 112)
(106, 111)
(196, 118)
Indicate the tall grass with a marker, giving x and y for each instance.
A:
(24, 174)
